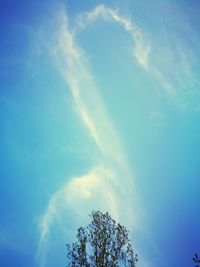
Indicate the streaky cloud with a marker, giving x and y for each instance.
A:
(141, 48)
(172, 63)
(109, 185)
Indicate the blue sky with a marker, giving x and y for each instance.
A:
(100, 109)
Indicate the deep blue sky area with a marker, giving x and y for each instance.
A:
(99, 110)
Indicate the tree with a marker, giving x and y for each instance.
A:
(103, 243)
(196, 259)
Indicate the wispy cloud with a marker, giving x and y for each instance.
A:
(98, 190)
(169, 62)
(173, 61)
(141, 47)
(109, 185)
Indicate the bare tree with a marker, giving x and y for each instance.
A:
(103, 243)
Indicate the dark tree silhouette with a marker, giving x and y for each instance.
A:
(196, 259)
(103, 243)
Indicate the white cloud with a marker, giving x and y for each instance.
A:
(173, 60)
(141, 48)
(97, 190)
(109, 186)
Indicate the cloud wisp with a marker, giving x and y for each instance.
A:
(141, 48)
(108, 186)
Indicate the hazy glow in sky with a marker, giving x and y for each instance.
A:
(100, 109)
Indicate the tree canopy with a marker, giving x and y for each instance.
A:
(103, 243)
(196, 259)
